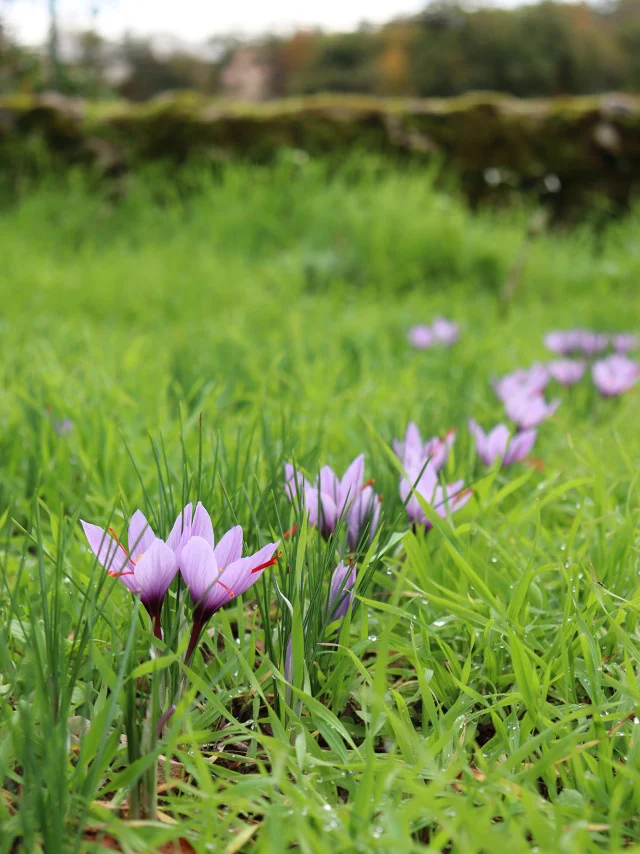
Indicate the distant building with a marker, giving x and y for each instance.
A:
(247, 75)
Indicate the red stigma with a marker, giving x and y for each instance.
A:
(290, 531)
(368, 483)
(129, 558)
(271, 562)
(228, 589)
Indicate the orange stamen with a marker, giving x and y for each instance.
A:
(535, 463)
(271, 562)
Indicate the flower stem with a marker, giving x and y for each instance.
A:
(193, 640)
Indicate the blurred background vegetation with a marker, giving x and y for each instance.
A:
(544, 49)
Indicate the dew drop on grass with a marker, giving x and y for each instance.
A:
(494, 559)
(373, 637)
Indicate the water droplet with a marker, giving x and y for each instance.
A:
(373, 637)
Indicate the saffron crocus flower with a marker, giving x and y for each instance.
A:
(615, 374)
(496, 445)
(526, 381)
(147, 569)
(591, 343)
(413, 452)
(421, 337)
(340, 594)
(563, 342)
(444, 500)
(217, 574)
(624, 341)
(567, 371)
(528, 411)
(445, 331)
(328, 497)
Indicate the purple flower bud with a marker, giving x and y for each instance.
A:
(340, 595)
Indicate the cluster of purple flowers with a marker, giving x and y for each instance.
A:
(329, 499)
(422, 461)
(442, 332)
(612, 375)
(214, 574)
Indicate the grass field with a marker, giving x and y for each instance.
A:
(483, 693)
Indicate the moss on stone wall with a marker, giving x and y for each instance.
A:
(573, 148)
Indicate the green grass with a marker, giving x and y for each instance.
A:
(485, 692)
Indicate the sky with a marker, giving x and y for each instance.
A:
(196, 20)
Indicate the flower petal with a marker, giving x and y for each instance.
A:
(328, 482)
(229, 548)
(110, 553)
(202, 525)
(351, 482)
(140, 536)
(199, 569)
(519, 446)
(154, 572)
(239, 577)
(181, 531)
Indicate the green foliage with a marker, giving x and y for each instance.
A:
(484, 692)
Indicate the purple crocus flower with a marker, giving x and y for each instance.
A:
(217, 574)
(148, 574)
(329, 497)
(421, 337)
(526, 381)
(496, 445)
(590, 342)
(625, 341)
(340, 594)
(528, 411)
(445, 331)
(444, 500)
(615, 374)
(413, 452)
(567, 371)
(563, 342)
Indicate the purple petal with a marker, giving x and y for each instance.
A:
(154, 572)
(229, 548)
(202, 525)
(328, 482)
(199, 569)
(110, 554)
(365, 510)
(519, 446)
(615, 374)
(342, 583)
(445, 331)
(140, 536)
(351, 483)
(421, 337)
(567, 371)
(497, 442)
(237, 578)
(181, 531)
(321, 510)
